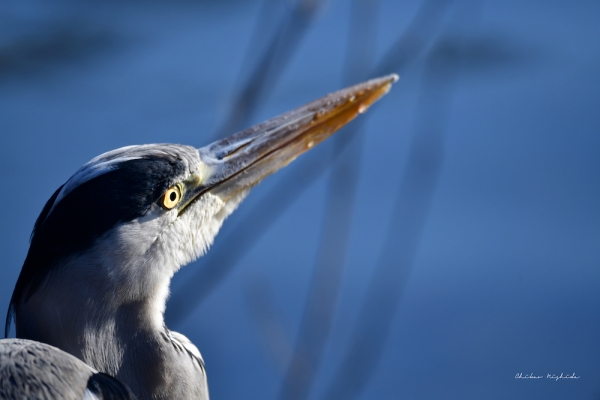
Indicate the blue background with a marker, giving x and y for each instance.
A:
(504, 273)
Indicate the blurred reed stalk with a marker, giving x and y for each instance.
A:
(220, 261)
(327, 273)
(258, 85)
(268, 322)
(416, 191)
(267, 71)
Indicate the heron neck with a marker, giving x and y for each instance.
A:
(126, 339)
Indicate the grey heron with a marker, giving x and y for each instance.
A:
(106, 244)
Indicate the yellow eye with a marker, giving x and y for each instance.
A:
(172, 197)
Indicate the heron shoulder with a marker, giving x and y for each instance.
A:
(30, 369)
(182, 343)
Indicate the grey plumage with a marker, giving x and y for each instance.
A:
(33, 370)
(107, 243)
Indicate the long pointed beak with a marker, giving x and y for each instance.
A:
(242, 160)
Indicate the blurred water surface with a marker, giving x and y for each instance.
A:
(505, 274)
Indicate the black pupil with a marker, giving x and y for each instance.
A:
(173, 196)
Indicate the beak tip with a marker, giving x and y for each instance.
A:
(393, 78)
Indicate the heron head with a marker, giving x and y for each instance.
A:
(126, 221)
